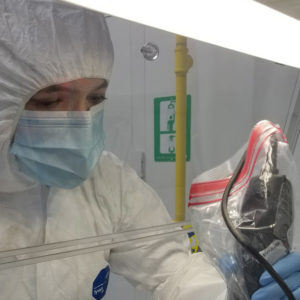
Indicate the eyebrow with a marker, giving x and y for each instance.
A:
(63, 88)
(103, 85)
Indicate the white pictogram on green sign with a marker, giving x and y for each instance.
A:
(164, 128)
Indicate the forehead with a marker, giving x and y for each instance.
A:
(83, 85)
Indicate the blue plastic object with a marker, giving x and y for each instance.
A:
(100, 283)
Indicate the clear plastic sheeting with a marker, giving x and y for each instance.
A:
(260, 206)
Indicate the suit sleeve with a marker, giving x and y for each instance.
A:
(166, 265)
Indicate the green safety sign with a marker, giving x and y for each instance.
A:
(164, 128)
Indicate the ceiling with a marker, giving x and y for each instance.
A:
(288, 7)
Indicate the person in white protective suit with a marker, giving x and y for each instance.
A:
(56, 183)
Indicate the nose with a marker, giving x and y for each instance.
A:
(80, 104)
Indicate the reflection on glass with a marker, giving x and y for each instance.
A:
(112, 217)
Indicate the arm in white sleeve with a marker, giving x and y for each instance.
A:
(165, 266)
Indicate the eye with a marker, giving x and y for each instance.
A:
(46, 103)
(96, 99)
(43, 103)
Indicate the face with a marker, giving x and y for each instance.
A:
(76, 95)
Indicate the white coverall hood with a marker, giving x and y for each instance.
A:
(43, 42)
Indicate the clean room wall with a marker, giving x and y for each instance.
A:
(230, 93)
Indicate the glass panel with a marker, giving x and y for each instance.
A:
(57, 235)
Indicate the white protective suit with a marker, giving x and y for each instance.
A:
(44, 43)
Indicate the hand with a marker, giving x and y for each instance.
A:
(289, 269)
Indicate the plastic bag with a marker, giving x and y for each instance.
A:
(260, 206)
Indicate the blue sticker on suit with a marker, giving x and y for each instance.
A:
(100, 283)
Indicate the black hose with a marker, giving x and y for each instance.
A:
(242, 240)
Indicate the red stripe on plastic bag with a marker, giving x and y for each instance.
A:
(208, 188)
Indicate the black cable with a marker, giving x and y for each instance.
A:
(242, 240)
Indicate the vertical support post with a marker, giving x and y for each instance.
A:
(182, 64)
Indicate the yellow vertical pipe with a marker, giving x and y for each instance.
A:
(182, 64)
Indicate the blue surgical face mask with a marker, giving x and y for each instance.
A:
(59, 148)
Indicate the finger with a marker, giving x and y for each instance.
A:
(270, 291)
(284, 267)
(226, 264)
(274, 291)
(296, 294)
